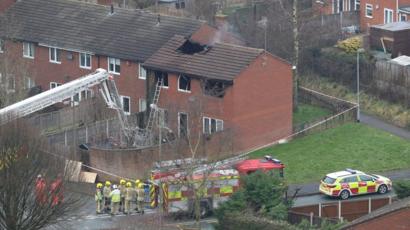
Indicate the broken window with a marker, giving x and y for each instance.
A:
(211, 125)
(184, 83)
(183, 124)
(190, 47)
(214, 88)
(163, 76)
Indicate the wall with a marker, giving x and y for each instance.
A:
(42, 71)
(394, 220)
(5, 4)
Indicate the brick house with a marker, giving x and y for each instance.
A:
(59, 40)
(335, 6)
(393, 216)
(244, 90)
(375, 12)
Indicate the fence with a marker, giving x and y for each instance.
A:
(298, 217)
(342, 210)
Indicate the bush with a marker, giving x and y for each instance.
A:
(402, 188)
(350, 45)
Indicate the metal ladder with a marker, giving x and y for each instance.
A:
(153, 111)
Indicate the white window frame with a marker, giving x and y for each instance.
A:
(1, 46)
(218, 128)
(28, 50)
(179, 123)
(142, 72)
(401, 16)
(54, 85)
(370, 7)
(190, 85)
(129, 105)
(57, 57)
(141, 102)
(356, 4)
(85, 60)
(114, 71)
(29, 83)
(387, 10)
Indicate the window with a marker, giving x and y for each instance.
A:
(54, 84)
(1, 45)
(369, 10)
(403, 17)
(11, 83)
(388, 15)
(349, 179)
(164, 77)
(85, 60)
(184, 83)
(365, 178)
(55, 55)
(357, 5)
(182, 124)
(114, 65)
(142, 105)
(29, 83)
(211, 125)
(28, 50)
(126, 104)
(142, 72)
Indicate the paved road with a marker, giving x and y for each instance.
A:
(323, 199)
(380, 124)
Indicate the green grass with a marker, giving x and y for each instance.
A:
(309, 158)
(307, 113)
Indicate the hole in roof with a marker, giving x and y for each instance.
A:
(190, 47)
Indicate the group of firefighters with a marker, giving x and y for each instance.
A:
(115, 199)
(52, 193)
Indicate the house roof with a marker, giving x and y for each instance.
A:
(405, 9)
(395, 206)
(73, 25)
(220, 61)
(394, 26)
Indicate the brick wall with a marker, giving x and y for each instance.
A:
(5, 4)
(395, 220)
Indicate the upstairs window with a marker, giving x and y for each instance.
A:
(142, 105)
(55, 55)
(28, 50)
(142, 72)
(162, 76)
(211, 125)
(114, 65)
(357, 5)
(369, 10)
(85, 61)
(184, 83)
(1, 45)
(126, 104)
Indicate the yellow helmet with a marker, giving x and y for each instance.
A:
(137, 182)
(140, 185)
(107, 183)
(128, 184)
(122, 181)
(99, 185)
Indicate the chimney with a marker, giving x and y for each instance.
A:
(112, 9)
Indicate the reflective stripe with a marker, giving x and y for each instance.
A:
(226, 189)
(175, 195)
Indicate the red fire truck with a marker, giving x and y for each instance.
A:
(174, 189)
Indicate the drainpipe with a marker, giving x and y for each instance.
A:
(397, 10)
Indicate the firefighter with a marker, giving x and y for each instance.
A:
(41, 190)
(106, 194)
(56, 191)
(121, 187)
(115, 196)
(136, 187)
(128, 196)
(140, 198)
(99, 198)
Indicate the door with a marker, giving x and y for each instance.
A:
(388, 15)
(369, 184)
(353, 183)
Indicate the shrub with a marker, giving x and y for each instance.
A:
(350, 45)
(402, 188)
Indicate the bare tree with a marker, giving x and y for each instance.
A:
(26, 201)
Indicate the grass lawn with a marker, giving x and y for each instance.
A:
(353, 145)
(307, 113)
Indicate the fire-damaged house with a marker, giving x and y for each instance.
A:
(243, 91)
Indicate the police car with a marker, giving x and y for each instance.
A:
(349, 182)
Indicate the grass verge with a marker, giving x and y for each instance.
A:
(308, 113)
(394, 113)
(308, 159)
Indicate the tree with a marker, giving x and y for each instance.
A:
(402, 188)
(262, 195)
(25, 203)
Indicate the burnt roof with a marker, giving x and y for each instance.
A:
(220, 61)
(73, 25)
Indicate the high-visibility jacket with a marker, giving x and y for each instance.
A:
(98, 195)
(129, 193)
(140, 194)
(107, 191)
(115, 195)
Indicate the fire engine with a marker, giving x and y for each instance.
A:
(175, 188)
